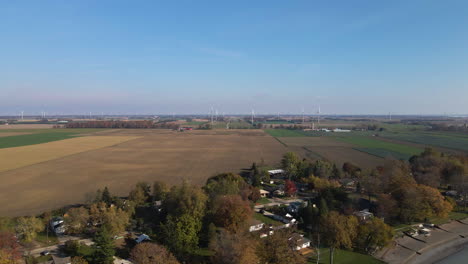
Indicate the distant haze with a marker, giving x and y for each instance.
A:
(165, 57)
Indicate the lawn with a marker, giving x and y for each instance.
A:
(344, 257)
(266, 220)
(263, 200)
(40, 136)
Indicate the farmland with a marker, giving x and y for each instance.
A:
(31, 137)
(121, 158)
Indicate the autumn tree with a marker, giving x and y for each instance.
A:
(373, 234)
(231, 212)
(224, 184)
(159, 190)
(116, 219)
(78, 260)
(9, 248)
(140, 194)
(27, 228)
(338, 231)
(233, 248)
(76, 220)
(290, 188)
(150, 253)
(276, 249)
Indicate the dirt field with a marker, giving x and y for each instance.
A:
(13, 158)
(331, 149)
(26, 126)
(157, 155)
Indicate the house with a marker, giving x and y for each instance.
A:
(278, 192)
(141, 238)
(255, 225)
(277, 172)
(363, 215)
(57, 225)
(298, 241)
(264, 193)
(121, 261)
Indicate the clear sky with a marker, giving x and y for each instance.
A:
(349, 57)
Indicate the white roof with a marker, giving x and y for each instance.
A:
(264, 191)
(276, 171)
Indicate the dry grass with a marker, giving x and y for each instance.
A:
(13, 158)
(157, 155)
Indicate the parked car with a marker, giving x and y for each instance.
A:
(45, 253)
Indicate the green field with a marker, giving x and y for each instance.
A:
(266, 220)
(288, 133)
(380, 148)
(40, 136)
(450, 140)
(344, 257)
(194, 123)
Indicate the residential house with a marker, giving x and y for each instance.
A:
(363, 215)
(141, 238)
(255, 225)
(264, 193)
(298, 241)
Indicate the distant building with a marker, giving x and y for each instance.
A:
(255, 225)
(363, 215)
(339, 130)
(299, 242)
(141, 238)
(264, 193)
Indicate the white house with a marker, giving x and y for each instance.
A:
(298, 241)
(364, 215)
(264, 193)
(255, 225)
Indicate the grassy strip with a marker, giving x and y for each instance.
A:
(266, 220)
(284, 144)
(344, 257)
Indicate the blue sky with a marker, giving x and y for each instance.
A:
(349, 57)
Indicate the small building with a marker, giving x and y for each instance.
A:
(278, 192)
(255, 225)
(141, 238)
(277, 172)
(57, 225)
(264, 193)
(298, 241)
(363, 215)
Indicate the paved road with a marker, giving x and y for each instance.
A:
(277, 201)
(55, 248)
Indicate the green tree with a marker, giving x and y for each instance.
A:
(27, 228)
(180, 233)
(138, 195)
(106, 196)
(104, 247)
(289, 163)
(185, 199)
